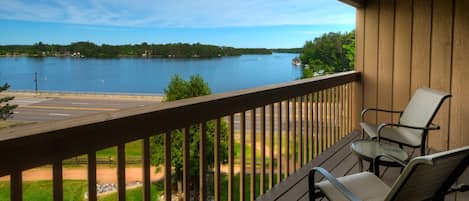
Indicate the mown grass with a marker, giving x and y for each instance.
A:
(74, 190)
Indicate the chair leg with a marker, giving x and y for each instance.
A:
(360, 165)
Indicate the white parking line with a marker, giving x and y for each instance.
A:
(59, 114)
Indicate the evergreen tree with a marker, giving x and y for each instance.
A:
(6, 110)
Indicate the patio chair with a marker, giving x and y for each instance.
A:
(424, 178)
(414, 122)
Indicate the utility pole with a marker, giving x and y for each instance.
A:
(35, 81)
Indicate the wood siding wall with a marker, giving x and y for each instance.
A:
(406, 44)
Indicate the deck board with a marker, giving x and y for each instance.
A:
(339, 161)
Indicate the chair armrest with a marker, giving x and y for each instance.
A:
(364, 111)
(377, 160)
(458, 188)
(339, 186)
(383, 125)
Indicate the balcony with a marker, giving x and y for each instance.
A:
(297, 126)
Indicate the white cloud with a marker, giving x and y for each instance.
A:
(180, 13)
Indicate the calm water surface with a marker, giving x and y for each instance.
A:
(135, 75)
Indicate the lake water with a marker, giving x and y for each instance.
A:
(136, 75)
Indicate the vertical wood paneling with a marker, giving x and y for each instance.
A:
(421, 44)
(402, 55)
(428, 49)
(357, 94)
(442, 31)
(370, 70)
(385, 58)
(460, 81)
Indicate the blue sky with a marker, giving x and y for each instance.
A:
(238, 23)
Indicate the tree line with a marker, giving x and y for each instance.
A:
(329, 53)
(89, 49)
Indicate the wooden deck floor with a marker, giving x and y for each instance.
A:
(339, 161)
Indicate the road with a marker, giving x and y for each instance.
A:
(43, 109)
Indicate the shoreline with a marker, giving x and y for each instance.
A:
(86, 95)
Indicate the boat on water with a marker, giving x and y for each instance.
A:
(296, 61)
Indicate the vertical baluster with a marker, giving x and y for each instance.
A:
(294, 140)
(300, 133)
(262, 184)
(186, 163)
(316, 123)
(287, 172)
(57, 181)
(231, 159)
(146, 177)
(336, 113)
(304, 129)
(272, 144)
(203, 162)
(243, 157)
(92, 196)
(324, 121)
(279, 161)
(342, 109)
(16, 186)
(329, 117)
(311, 126)
(216, 150)
(121, 172)
(349, 108)
(253, 155)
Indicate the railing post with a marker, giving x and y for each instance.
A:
(167, 165)
(203, 162)
(242, 173)
(146, 177)
(92, 196)
(57, 181)
(121, 188)
(216, 151)
(16, 186)
(231, 159)
(186, 164)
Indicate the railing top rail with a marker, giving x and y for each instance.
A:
(34, 145)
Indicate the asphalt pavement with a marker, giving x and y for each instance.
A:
(40, 109)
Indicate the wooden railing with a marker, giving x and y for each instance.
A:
(289, 124)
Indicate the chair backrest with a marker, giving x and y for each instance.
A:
(422, 108)
(428, 176)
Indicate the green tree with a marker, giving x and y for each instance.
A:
(329, 53)
(6, 110)
(178, 89)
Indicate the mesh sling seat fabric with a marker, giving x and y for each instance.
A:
(423, 178)
(414, 122)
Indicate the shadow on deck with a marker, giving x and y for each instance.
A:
(339, 161)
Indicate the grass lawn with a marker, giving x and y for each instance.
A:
(74, 190)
